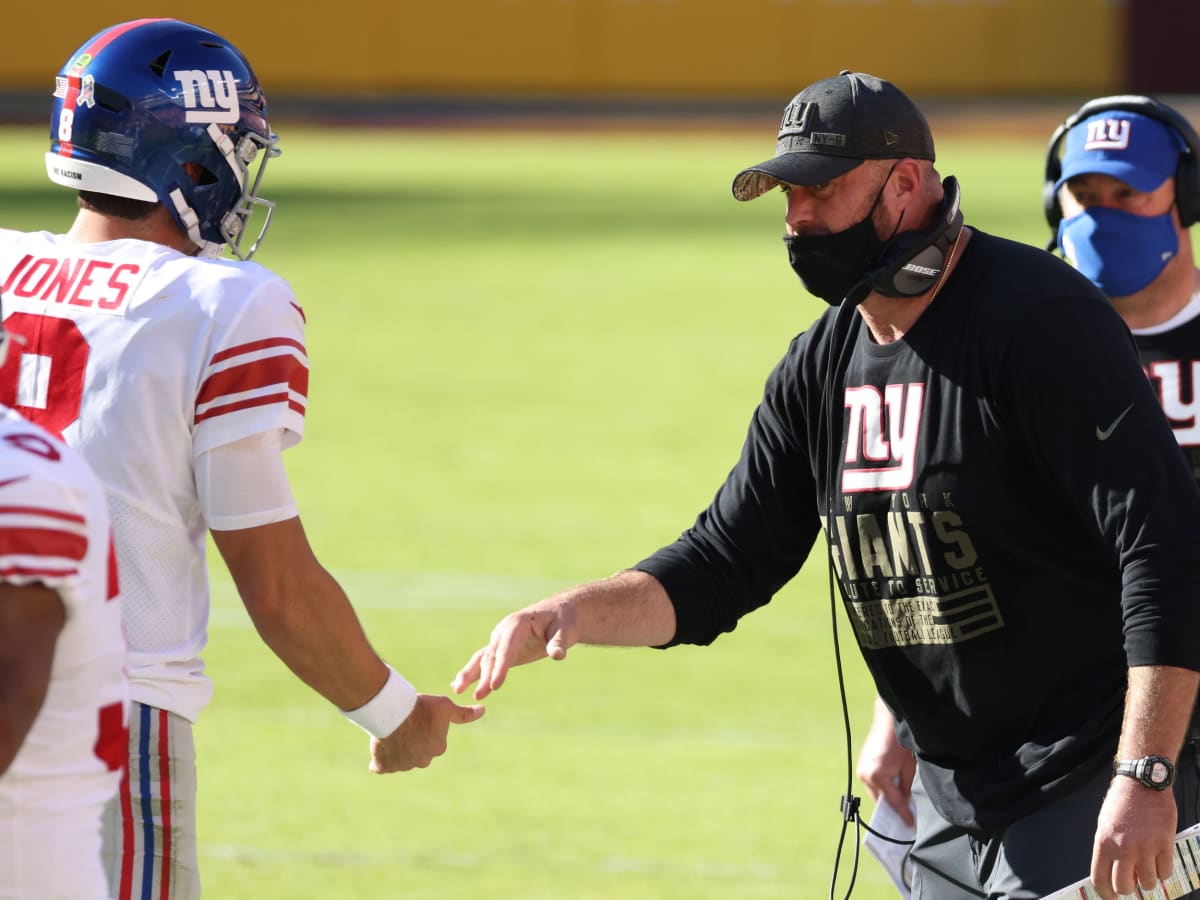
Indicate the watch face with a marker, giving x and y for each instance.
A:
(1158, 773)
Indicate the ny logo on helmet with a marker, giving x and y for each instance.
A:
(210, 96)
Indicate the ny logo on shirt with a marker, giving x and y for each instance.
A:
(210, 96)
(881, 438)
(1176, 382)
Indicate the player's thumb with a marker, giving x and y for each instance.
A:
(461, 715)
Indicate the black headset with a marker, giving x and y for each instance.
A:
(914, 260)
(1187, 173)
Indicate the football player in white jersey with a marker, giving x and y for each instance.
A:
(64, 698)
(181, 377)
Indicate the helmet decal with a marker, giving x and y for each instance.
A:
(205, 91)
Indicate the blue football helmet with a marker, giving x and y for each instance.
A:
(140, 102)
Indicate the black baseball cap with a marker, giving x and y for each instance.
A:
(834, 125)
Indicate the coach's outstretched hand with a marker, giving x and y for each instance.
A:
(628, 609)
(421, 736)
(545, 629)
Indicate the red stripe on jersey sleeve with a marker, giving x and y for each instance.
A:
(260, 373)
(254, 346)
(266, 400)
(41, 511)
(40, 542)
(36, 574)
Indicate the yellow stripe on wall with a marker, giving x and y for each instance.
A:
(718, 48)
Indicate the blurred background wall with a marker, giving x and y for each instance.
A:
(714, 51)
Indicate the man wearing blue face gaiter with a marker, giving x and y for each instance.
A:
(1121, 224)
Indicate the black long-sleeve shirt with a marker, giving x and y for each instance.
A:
(1011, 523)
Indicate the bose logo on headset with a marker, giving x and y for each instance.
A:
(1187, 174)
(915, 259)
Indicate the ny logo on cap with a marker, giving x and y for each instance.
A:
(1107, 134)
(795, 118)
(794, 130)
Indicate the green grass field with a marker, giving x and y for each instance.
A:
(534, 357)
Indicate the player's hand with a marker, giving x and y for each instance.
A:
(421, 736)
(886, 768)
(545, 629)
(1135, 838)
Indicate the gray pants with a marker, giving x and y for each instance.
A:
(1033, 857)
(1014, 864)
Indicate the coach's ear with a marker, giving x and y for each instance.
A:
(914, 260)
(905, 182)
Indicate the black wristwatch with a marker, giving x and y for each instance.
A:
(1155, 772)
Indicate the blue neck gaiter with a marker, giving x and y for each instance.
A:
(1118, 251)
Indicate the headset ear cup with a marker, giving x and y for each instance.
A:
(1052, 206)
(1187, 189)
(914, 260)
(1050, 203)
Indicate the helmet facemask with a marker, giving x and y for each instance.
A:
(250, 148)
(247, 160)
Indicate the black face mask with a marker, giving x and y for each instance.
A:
(829, 265)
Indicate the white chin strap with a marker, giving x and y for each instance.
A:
(229, 151)
(187, 216)
(191, 222)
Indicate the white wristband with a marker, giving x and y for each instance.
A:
(387, 710)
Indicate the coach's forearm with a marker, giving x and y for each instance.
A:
(628, 609)
(1158, 707)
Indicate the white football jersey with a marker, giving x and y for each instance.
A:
(143, 358)
(54, 530)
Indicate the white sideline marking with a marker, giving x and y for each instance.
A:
(614, 864)
(441, 591)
